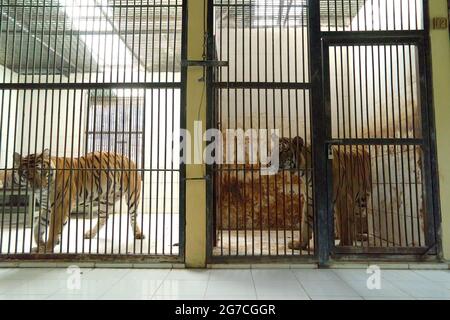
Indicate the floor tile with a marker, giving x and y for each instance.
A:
(352, 274)
(434, 275)
(192, 275)
(401, 275)
(433, 299)
(324, 297)
(422, 289)
(315, 275)
(277, 296)
(231, 284)
(141, 274)
(178, 297)
(182, 287)
(89, 287)
(230, 275)
(389, 298)
(386, 290)
(268, 287)
(41, 273)
(124, 296)
(38, 287)
(23, 296)
(231, 297)
(106, 274)
(6, 286)
(275, 275)
(134, 288)
(328, 288)
(66, 296)
(4, 272)
(230, 288)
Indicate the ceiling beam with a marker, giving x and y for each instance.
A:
(32, 35)
(105, 14)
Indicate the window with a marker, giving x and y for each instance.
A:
(115, 125)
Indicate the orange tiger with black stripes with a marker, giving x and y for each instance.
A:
(351, 180)
(102, 177)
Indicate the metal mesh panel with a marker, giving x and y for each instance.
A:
(90, 110)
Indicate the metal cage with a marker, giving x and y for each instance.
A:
(351, 79)
(92, 98)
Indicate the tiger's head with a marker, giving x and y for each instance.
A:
(35, 169)
(292, 154)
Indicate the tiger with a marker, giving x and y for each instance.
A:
(351, 176)
(9, 179)
(102, 177)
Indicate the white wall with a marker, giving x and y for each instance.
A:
(389, 15)
(52, 120)
(254, 59)
(374, 94)
(162, 123)
(8, 101)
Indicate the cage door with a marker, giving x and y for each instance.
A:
(379, 172)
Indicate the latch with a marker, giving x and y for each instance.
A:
(330, 152)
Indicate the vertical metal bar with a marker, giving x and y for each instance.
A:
(144, 109)
(13, 56)
(306, 76)
(228, 126)
(19, 70)
(432, 219)
(2, 93)
(66, 120)
(243, 127)
(71, 172)
(274, 126)
(370, 134)
(375, 135)
(384, 134)
(282, 128)
(235, 78)
(151, 131)
(166, 128)
(258, 92)
(182, 169)
(319, 117)
(400, 114)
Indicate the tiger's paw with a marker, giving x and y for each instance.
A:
(362, 237)
(39, 249)
(296, 245)
(89, 235)
(139, 236)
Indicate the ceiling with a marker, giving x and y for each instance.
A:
(62, 36)
(283, 12)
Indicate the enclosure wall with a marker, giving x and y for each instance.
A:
(440, 53)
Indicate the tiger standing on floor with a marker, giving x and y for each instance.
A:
(99, 176)
(352, 183)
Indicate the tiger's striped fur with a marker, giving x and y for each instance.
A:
(102, 177)
(351, 178)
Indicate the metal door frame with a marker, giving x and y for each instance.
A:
(319, 42)
(419, 40)
(314, 86)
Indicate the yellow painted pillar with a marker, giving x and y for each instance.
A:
(195, 248)
(440, 53)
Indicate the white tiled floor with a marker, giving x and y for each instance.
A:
(279, 284)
